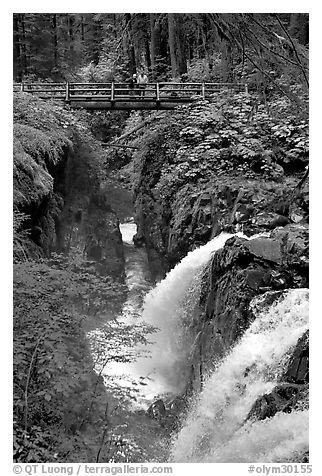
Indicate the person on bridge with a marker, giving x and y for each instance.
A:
(142, 81)
(132, 83)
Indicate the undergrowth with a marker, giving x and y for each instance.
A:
(232, 134)
(61, 408)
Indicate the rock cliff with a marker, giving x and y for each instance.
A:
(57, 187)
(240, 271)
(199, 212)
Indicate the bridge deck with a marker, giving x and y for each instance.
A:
(121, 96)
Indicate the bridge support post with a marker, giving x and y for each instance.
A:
(158, 91)
(203, 91)
(22, 86)
(67, 91)
(112, 92)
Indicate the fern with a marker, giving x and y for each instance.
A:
(20, 237)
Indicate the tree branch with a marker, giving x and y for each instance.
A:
(104, 433)
(271, 50)
(121, 146)
(26, 388)
(137, 128)
(233, 39)
(293, 46)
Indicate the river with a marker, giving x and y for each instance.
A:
(121, 347)
(126, 372)
(143, 353)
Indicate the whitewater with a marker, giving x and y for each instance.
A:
(216, 427)
(171, 307)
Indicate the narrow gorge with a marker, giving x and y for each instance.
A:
(180, 303)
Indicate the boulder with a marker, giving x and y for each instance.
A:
(269, 220)
(157, 410)
(283, 398)
(169, 415)
(266, 248)
(298, 367)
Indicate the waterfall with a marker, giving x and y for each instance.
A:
(283, 438)
(170, 307)
(128, 230)
(215, 428)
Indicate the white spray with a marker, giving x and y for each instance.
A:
(214, 430)
(166, 306)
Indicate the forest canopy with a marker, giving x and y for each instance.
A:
(264, 49)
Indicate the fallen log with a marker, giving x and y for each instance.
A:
(119, 145)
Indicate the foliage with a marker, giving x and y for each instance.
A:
(55, 154)
(161, 71)
(61, 410)
(59, 123)
(103, 72)
(233, 133)
(20, 236)
(39, 141)
(106, 125)
(85, 289)
(57, 396)
(38, 144)
(205, 69)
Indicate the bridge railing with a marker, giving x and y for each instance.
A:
(123, 92)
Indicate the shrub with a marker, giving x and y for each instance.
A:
(57, 394)
(232, 133)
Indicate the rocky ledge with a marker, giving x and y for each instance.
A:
(198, 212)
(241, 271)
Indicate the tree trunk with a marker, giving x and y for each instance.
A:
(23, 46)
(181, 46)
(299, 27)
(147, 53)
(155, 47)
(82, 29)
(152, 46)
(71, 36)
(96, 42)
(129, 43)
(55, 41)
(176, 45)
(172, 44)
(17, 72)
(226, 61)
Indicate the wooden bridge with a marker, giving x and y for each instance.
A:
(119, 96)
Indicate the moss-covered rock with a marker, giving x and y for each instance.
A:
(58, 170)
